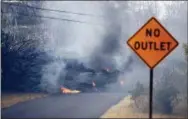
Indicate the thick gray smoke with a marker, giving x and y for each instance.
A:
(104, 44)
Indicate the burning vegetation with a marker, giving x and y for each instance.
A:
(68, 91)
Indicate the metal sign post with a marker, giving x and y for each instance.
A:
(151, 94)
(152, 43)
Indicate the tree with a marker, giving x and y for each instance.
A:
(20, 53)
(136, 93)
(20, 12)
(185, 46)
(165, 93)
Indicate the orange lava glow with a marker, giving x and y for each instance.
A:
(69, 91)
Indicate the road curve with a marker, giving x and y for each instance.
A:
(83, 105)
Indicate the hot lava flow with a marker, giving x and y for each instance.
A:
(69, 91)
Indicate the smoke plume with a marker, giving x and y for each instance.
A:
(104, 45)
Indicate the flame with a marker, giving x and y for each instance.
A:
(93, 83)
(68, 91)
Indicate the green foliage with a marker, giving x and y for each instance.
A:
(185, 46)
(18, 13)
(21, 57)
(165, 94)
(164, 98)
(137, 91)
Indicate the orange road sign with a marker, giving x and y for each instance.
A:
(152, 42)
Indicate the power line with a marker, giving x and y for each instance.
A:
(54, 18)
(53, 10)
(49, 17)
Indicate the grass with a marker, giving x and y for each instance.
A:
(9, 99)
(124, 110)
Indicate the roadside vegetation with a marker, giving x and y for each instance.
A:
(20, 42)
(168, 98)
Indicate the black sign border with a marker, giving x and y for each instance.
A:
(153, 18)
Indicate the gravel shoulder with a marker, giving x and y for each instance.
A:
(9, 99)
(124, 109)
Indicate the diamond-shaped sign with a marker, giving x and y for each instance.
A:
(152, 42)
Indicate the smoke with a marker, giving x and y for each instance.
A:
(104, 44)
(69, 40)
(172, 15)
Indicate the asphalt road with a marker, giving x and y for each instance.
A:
(83, 105)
